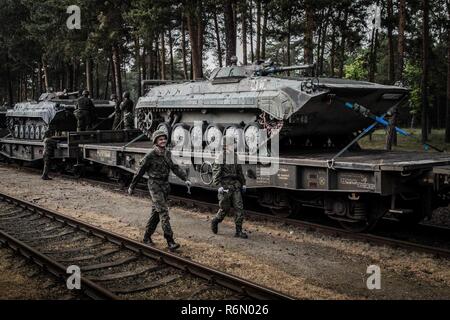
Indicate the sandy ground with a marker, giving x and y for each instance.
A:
(297, 262)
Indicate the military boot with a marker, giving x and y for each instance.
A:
(239, 233)
(148, 239)
(172, 244)
(215, 226)
(46, 178)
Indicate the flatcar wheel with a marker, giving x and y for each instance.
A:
(281, 212)
(359, 226)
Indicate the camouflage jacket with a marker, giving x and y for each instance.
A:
(126, 105)
(228, 175)
(85, 104)
(158, 166)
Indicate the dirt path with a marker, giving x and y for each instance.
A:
(294, 261)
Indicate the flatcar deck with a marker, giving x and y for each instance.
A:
(371, 160)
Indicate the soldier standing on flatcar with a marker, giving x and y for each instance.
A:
(117, 113)
(127, 109)
(158, 164)
(84, 112)
(49, 152)
(229, 177)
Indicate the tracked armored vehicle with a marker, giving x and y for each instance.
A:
(30, 120)
(302, 111)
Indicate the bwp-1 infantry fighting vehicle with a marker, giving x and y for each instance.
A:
(302, 111)
(30, 120)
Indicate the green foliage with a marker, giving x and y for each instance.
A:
(412, 76)
(357, 69)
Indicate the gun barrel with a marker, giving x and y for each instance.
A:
(292, 68)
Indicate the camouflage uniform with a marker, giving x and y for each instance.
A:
(49, 152)
(158, 166)
(117, 115)
(85, 113)
(231, 178)
(127, 109)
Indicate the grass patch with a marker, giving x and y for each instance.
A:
(378, 141)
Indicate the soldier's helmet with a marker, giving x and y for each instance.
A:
(234, 60)
(85, 93)
(126, 95)
(157, 134)
(113, 96)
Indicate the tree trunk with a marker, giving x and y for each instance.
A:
(447, 123)
(288, 42)
(163, 56)
(46, 82)
(401, 38)
(258, 29)
(230, 31)
(343, 40)
(89, 80)
(172, 71)
(193, 16)
(244, 31)
(390, 17)
(309, 33)
(113, 76)
(117, 70)
(108, 71)
(219, 47)
(183, 48)
(425, 55)
(264, 32)
(138, 65)
(252, 51)
(373, 56)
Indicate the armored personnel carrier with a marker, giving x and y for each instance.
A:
(30, 120)
(302, 111)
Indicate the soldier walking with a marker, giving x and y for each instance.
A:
(158, 164)
(49, 153)
(229, 177)
(117, 113)
(84, 112)
(127, 109)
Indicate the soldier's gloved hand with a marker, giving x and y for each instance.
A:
(244, 188)
(130, 191)
(221, 190)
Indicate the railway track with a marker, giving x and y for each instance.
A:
(112, 266)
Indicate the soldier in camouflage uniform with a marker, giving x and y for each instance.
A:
(84, 112)
(49, 152)
(117, 113)
(158, 164)
(228, 176)
(127, 109)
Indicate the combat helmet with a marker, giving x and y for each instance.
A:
(157, 134)
(85, 93)
(126, 95)
(113, 96)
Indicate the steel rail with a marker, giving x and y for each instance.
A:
(231, 282)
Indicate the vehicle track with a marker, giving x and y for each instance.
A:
(112, 266)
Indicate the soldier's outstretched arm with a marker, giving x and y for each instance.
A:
(140, 173)
(180, 173)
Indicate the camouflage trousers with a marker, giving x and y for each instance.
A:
(231, 199)
(159, 192)
(47, 164)
(117, 121)
(128, 121)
